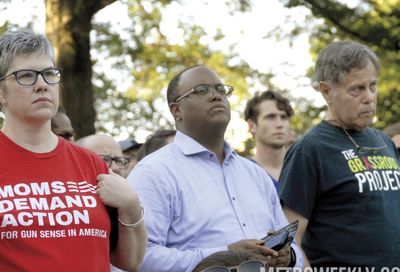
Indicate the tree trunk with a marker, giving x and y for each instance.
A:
(68, 26)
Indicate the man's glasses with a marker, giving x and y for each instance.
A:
(204, 89)
(122, 162)
(67, 135)
(247, 266)
(363, 150)
(28, 77)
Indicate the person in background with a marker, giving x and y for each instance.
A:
(292, 138)
(341, 180)
(267, 115)
(201, 196)
(61, 125)
(157, 140)
(130, 149)
(226, 261)
(108, 149)
(393, 131)
(54, 193)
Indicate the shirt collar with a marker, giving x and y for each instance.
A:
(189, 146)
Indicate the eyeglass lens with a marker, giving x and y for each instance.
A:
(120, 161)
(29, 77)
(247, 266)
(204, 89)
(250, 266)
(365, 150)
(217, 269)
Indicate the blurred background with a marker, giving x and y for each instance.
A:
(117, 57)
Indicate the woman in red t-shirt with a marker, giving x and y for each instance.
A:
(54, 195)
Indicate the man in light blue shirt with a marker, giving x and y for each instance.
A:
(200, 196)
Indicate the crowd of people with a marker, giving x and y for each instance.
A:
(184, 200)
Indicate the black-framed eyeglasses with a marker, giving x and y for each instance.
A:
(28, 77)
(364, 150)
(246, 266)
(204, 89)
(122, 162)
(67, 135)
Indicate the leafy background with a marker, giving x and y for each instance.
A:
(144, 54)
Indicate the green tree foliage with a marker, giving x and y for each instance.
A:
(152, 61)
(142, 54)
(372, 22)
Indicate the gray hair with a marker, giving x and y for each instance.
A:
(338, 58)
(16, 43)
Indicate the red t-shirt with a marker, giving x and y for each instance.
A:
(50, 217)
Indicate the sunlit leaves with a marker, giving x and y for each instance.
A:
(153, 60)
(372, 22)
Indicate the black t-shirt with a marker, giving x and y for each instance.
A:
(352, 201)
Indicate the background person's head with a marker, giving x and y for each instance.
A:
(198, 101)
(61, 125)
(224, 259)
(130, 149)
(155, 141)
(292, 138)
(346, 73)
(106, 147)
(21, 89)
(393, 131)
(267, 115)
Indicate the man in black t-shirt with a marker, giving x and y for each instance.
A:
(342, 179)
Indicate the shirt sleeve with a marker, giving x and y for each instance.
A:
(299, 179)
(158, 199)
(282, 221)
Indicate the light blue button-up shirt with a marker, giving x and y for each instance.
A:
(195, 206)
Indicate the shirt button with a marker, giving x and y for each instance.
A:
(244, 224)
(233, 198)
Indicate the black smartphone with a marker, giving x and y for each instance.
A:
(282, 237)
(276, 241)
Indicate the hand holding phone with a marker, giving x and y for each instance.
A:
(276, 241)
(282, 237)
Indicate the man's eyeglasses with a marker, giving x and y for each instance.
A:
(67, 135)
(122, 162)
(28, 77)
(247, 266)
(204, 89)
(363, 150)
